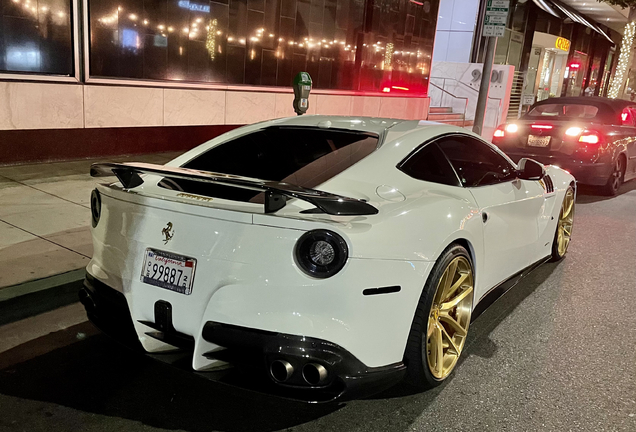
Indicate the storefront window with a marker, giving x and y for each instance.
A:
(575, 74)
(590, 87)
(343, 44)
(519, 16)
(36, 37)
(547, 66)
(606, 73)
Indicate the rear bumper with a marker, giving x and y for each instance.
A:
(585, 172)
(249, 352)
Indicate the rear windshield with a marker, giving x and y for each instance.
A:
(569, 111)
(301, 156)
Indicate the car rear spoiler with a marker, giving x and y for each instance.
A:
(276, 193)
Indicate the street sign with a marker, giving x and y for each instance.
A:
(496, 18)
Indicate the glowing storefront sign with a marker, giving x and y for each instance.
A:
(185, 4)
(563, 44)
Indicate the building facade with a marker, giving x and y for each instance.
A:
(558, 48)
(109, 73)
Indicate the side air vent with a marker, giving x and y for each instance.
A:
(549, 186)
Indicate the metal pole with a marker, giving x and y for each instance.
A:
(480, 111)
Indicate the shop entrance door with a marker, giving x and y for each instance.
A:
(574, 75)
(547, 66)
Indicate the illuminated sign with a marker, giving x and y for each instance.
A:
(563, 44)
(185, 4)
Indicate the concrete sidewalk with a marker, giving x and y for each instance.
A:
(45, 222)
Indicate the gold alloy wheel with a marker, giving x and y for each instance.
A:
(566, 217)
(449, 317)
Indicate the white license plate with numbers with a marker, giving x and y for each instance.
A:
(538, 141)
(167, 270)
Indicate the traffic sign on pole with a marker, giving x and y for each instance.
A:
(496, 18)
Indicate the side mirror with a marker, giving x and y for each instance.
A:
(529, 169)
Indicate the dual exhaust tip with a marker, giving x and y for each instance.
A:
(313, 373)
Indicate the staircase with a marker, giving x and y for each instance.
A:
(447, 116)
(514, 108)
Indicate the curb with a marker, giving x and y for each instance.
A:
(22, 301)
(41, 284)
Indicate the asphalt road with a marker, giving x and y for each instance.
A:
(556, 353)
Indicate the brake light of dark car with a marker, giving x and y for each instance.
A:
(573, 131)
(541, 126)
(501, 131)
(590, 137)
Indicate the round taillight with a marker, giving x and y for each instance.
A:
(96, 207)
(321, 253)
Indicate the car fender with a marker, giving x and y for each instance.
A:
(561, 179)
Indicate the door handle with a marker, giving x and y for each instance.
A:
(484, 216)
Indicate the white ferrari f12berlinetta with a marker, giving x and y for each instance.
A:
(319, 258)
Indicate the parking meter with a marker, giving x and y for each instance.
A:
(302, 87)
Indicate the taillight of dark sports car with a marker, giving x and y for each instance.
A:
(590, 137)
(572, 133)
(585, 137)
(505, 130)
(541, 127)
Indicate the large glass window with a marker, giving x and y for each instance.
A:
(344, 44)
(36, 37)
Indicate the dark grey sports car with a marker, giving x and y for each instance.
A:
(594, 138)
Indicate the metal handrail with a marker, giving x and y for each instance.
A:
(456, 97)
(500, 100)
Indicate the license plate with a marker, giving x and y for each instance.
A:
(538, 141)
(167, 270)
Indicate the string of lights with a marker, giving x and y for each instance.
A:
(623, 60)
(31, 6)
(387, 56)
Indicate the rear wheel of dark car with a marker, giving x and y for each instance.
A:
(441, 321)
(616, 177)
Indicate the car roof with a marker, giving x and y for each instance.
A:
(608, 109)
(357, 123)
(614, 104)
(390, 130)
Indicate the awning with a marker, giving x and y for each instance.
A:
(563, 11)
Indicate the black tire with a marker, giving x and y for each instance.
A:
(418, 373)
(558, 255)
(616, 178)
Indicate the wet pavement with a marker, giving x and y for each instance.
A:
(557, 353)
